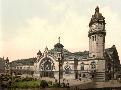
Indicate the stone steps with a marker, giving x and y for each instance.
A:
(100, 76)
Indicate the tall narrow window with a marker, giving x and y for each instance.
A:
(93, 65)
(95, 37)
(82, 66)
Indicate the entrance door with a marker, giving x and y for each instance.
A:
(47, 74)
(46, 68)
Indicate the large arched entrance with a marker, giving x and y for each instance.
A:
(47, 67)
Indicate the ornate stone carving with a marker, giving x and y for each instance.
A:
(97, 17)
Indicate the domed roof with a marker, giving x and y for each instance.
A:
(39, 53)
(58, 45)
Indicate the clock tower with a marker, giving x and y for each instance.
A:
(97, 35)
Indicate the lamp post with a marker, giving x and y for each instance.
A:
(59, 70)
(60, 64)
(59, 48)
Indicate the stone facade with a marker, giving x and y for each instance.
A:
(98, 63)
(97, 35)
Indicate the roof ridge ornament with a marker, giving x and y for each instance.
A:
(58, 39)
(97, 17)
(97, 9)
(46, 49)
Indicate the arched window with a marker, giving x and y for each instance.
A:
(46, 64)
(82, 66)
(93, 65)
(67, 69)
(93, 38)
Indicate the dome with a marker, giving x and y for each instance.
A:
(58, 45)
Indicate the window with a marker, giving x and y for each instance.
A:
(83, 75)
(20, 67)
(67, 69)
(79, 75)
(93, 65)
(46, 64)
(82, 66)
(93, 55)
(93, 38)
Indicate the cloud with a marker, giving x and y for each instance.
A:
(38, 30)
(37, 33)
(71, 25)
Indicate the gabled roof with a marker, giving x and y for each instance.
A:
(112, 53)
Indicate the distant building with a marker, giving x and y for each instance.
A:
(98, 63)
(23, 66)
(4, 66)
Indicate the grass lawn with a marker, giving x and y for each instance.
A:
(26, 84)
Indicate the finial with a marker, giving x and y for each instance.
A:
(3, 57)
(46, 48)
(59, 40)
(7, 58)
(97, 9)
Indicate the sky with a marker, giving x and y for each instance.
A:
(27, 26)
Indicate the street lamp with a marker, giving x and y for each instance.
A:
(59, 48)
(59, 70)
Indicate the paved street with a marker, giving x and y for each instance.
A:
(107, 84)
(70, 81)
(87, 83)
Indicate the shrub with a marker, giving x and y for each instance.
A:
(17, 79)
(50, 82)
(63, 84)
(43, 84)
(55, 85)
(67, 85)
(28, 79)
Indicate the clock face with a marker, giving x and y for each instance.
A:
(93, 27)
(100, 26)
(97, 27)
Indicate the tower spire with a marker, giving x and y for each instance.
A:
(97, 9)
(58, 39)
